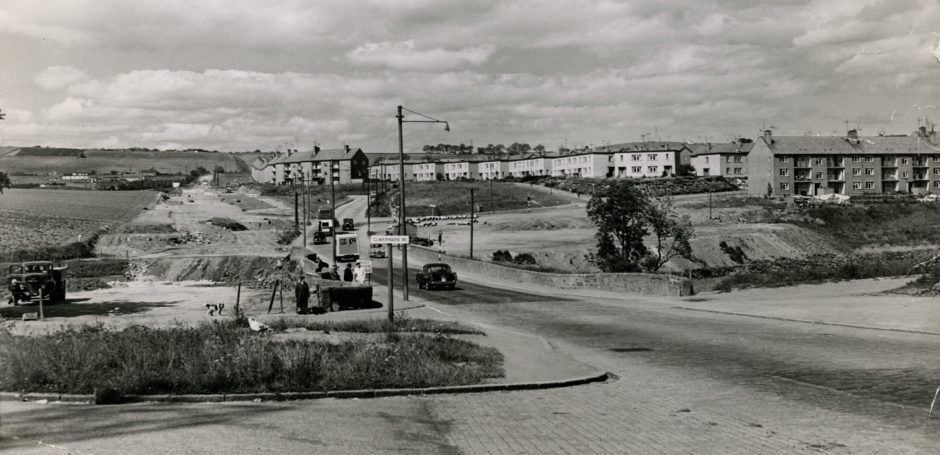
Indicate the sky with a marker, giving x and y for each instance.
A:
(239, 75)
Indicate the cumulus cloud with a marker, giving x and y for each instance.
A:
(404, 55)
(55, 77)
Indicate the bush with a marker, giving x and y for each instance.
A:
(226, 357)
(74, 250)
(228, 223)
(524, 259)
(502, 256)
(287, 237)
(735, 253)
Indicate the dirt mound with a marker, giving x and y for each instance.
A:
(756, 242)
(251, 271)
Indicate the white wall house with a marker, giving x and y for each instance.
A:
(492, 170)
(590, 164)
(427, 172)
(460, 170)
(533, 165)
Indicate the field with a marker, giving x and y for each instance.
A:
(454, 197)
(34, 218)
(104, 161)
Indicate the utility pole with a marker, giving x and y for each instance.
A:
(401, 207)
(333, 210)
(492, 207)
(368, 206)
(471, 223)
(303, 228)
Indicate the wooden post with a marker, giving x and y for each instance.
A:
(41, 315)
(471, 223)
(238, 298)
(391, 286)
(281, 294)
(273, 294)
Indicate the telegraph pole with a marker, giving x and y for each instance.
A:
(471, 223)
(333, 209)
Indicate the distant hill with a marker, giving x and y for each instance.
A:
(45, 161)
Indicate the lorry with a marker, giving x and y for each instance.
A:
(347, 248)
(32, 281)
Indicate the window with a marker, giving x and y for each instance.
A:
(818, 161)
(651, 157)
(870, 159)
(737, 159)
(905, 161)
(856, 185)
(737, 171)
(869, 185)
(784, 186)
(869, 171)
(727, 170)
(636, 157)
(819, 176)
(936, 184)
(905, 174)
(936, 171)
(706, 159)
(636, 169)
(784, 172)
(727, 159)
(856, 159)
(784, 159)
(856, 171)
(652, 168)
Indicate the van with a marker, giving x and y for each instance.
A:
(347, 248)
(325, 226)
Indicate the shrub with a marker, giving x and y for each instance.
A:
(502, 256)
(735, 253)
(228, 223)
(524, 259)
(287, 237)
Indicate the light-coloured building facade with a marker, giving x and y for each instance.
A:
(493, 170)
(460, 170)
(851, 165)
(390, 170)
(726, 160)
(648, 159)
(530, 166)
(588, 164)
(428, 172)
(318, 167)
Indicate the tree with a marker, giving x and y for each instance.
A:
(619, 212)
(685, 170)
(671, 233)
(540, 149)
(5, 182)
(219, 169)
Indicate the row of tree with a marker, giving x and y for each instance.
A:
(515, 148)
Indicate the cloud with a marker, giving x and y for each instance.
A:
(55, 77)
(404, 55)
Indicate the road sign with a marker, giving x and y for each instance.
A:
(390, 239)
(366, 265)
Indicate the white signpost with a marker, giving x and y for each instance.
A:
(389, 240)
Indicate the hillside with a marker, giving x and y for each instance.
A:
(32, 161)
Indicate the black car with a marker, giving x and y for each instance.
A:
(319, 238)
(436, 275)
(349, 224)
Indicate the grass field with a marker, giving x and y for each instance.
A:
(39, 218)
(104, 161)
(454, 197)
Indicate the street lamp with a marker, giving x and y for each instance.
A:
(401, 188)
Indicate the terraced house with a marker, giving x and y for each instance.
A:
(850, 165)
(588, 164)
(320, 167)
(389, 170)
(428, 172)
(460, 170)
(530, 165)
(648, 158)
(492, 170)
(727, 160)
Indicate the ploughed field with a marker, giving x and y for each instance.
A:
(35, 217)
(63, 161)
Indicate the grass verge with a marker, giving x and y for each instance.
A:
(226, 357)
(400, 325)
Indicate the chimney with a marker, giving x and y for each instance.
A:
(347, 148)
(316, 150)
(853, 134)
(923, 131)
(768, 137)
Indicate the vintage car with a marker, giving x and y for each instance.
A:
(32, 281)
(319, 238)
(377, 250)
(436, 275)
(349, 224)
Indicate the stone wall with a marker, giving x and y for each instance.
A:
(634, 283)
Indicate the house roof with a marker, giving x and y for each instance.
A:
(835, 145)
(643, 146)
(726, 148)
(314, 155)
(259, 163)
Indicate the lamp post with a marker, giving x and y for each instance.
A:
(401, 188)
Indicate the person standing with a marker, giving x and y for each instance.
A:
(334, 273)
(359, 274)
(302, 293)
(348, 273)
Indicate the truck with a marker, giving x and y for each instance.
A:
(32, 281)
(347, 248)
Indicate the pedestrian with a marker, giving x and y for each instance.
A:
(302, 294)
(334, 273)
(348, 273)
(359, 274)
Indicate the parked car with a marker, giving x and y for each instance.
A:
(319, 238)
(32, 281)
(436, 275)
(349, 224)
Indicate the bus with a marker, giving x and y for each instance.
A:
(347, 248)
